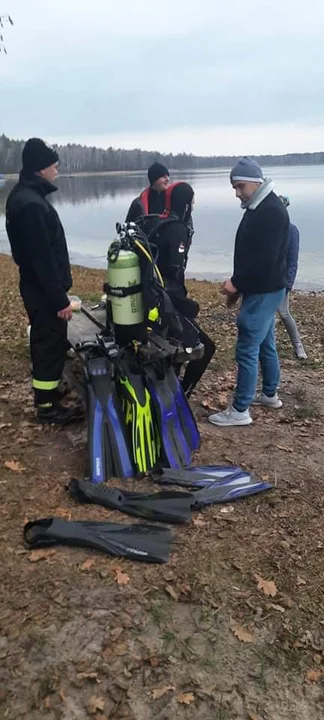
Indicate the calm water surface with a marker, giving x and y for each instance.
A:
(90, 207)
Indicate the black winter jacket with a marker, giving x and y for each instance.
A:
(261, 245)
(38, 243)
(156, 205)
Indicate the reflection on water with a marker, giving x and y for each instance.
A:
(90, 206)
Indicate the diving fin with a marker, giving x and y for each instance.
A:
(138, 413)
(188, 478)
(165, 506)
(187, 420)
(174, 446)
(228, 490)
(149, 543)
(109, 453)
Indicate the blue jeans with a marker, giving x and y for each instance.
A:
(256, 342)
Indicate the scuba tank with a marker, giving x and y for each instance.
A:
(125, 302)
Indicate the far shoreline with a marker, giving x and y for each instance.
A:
(301, 287)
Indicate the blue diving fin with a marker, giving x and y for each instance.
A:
(187, 478)
(230, 489)
(187, 420)
(109, 452)
(175, 450)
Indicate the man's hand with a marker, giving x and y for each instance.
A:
(228, 288)
(65, 314)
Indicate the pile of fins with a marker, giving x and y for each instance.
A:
(148, 543)
(138, 416)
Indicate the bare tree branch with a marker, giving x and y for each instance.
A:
(4, 19)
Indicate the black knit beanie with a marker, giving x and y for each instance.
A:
(181, 194)
(36, 155)
(156, 171)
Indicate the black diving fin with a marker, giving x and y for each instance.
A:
(148, 543)
(166, 506)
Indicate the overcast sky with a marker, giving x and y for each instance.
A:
(201, 76)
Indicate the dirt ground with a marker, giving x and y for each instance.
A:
(232, 628)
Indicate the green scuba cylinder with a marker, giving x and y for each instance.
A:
(124, 290)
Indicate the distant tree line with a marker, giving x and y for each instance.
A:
(80, 158)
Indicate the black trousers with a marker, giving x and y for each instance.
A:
(48, 346)
(196, 368)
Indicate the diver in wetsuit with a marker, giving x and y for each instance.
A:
(171, 241)
(152, 199)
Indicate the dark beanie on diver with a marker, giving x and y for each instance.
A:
(36, 155)
(156, 171)
(181, 195)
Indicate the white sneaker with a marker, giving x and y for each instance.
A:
(230, 416)
(270, 402)
(300, 351)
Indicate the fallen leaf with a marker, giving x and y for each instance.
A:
(154, 662)
(5, 425)
(116, 633)
(186, 698)
(241, 632)
(87, 564)
(267, 586)
(88, 676)
(286, 449)
(313, 676)
(300, 581)
(317, 659)
(276, 607)
(252, 716)
(121, 577)
(199, 521)
(62, 696)
(63, 513)
(94, 704)
(172, 592)
(47, 703)
(222, 399)
(159, 692)
(14, 465)
(121, 649)
(36, 555)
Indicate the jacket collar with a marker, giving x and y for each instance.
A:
(34, 181)
(260, 194)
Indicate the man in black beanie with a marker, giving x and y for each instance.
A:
(152, 199)
(38, 247)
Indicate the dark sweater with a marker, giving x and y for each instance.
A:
(261, 244)
(38, 243)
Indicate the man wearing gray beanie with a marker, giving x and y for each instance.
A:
(259, 278)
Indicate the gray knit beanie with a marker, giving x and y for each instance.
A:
(247, 170)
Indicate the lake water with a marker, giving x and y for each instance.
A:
(90, 206)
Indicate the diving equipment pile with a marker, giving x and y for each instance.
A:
(138, 414)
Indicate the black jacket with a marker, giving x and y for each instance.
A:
(38, 243)
(156, 205)
(261, 245)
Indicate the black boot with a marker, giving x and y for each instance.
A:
(59, 415)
